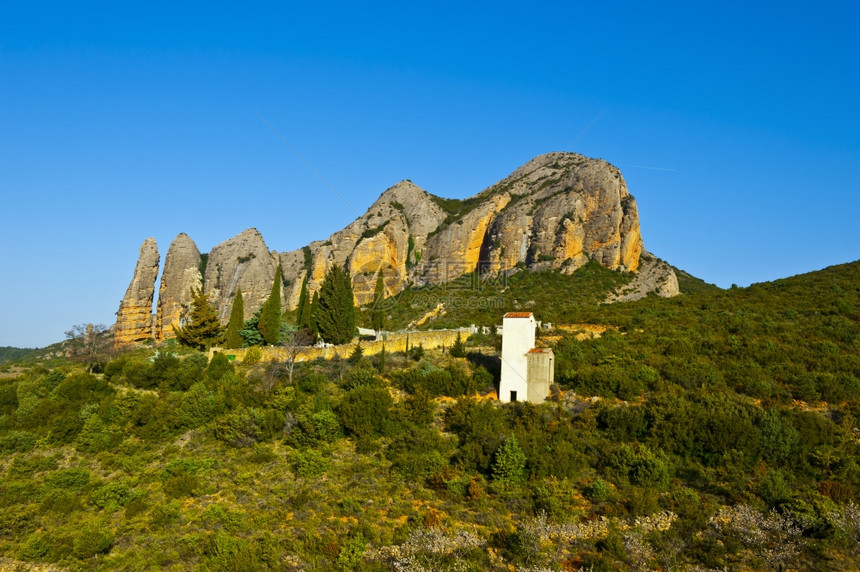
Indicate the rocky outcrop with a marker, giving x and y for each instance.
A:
(242, 262)
(181, 274)
(654, 276)
(558, 211)
(134, 321)
(390, 237)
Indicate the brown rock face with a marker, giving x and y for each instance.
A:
(242, 262)
(564, 210)
(181, 274)
(558, 211)
(134, 321)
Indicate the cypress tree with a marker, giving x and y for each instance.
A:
(377, 317)
(303, 314)
(203, 328)
(270, 317)
(232, 339)
(382, 360)
(335, 312)
(312, 319)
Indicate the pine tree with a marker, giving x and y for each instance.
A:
(510, 463)
(459, 348)
(335, 312)
(250, 332)
(203, 328)
(303, 313)
(377, 317)
(232, 339)
(270, 317)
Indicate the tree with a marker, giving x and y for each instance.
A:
(377, 317)
(250, 333)
(335, 312)
(89, 344)
(232, 339)
(294, 340)
(270, 317)
(459, 348)
(312, 321)
(202, 328)
(510, 463)
(303, 313)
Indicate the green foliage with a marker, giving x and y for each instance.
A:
(232, 339)
(303, 312)
(365, 410)
(91, 540)
(701, 455)
(269, 322)
(202, 328)
(377, 318)
(250, 331)
(509, 463)
(242, 427)
(458, 349)
(308, 463)
(335, 311)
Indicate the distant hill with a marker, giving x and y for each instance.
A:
(8, 353)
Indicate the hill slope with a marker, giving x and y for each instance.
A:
(716, 430)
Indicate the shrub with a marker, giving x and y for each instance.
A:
(92, 540)
(308, 463)
(240, 428)
(365, 410)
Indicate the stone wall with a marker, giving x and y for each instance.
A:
(394, 342)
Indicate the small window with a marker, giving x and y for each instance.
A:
(513, 396)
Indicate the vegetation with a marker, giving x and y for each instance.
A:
(716, 430)
(378, 312)
(334, 313)
(232, 338)
(203, 328)
(269, 322)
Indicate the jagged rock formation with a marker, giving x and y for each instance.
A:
(181, 274)
(558, 211)
(242, 262)
(134, 321)
(654, 275)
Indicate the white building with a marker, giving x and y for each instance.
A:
(527, 372)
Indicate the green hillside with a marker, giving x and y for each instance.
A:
(714, 430)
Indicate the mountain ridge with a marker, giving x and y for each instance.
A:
(557, 211)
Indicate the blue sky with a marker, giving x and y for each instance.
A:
(735, 124)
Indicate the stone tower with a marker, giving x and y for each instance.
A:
(527, 372)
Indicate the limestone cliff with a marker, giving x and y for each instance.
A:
(134, 321)
(242, 262)
(558, 211)
(181, 274)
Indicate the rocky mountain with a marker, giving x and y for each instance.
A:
(134, 317)
(181, 274)
(558, 211)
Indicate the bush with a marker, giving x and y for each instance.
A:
(240, 428)
(308, 463)
(17, 442)
(92, 540)
(365, 410)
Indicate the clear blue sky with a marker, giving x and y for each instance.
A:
(735, 124)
